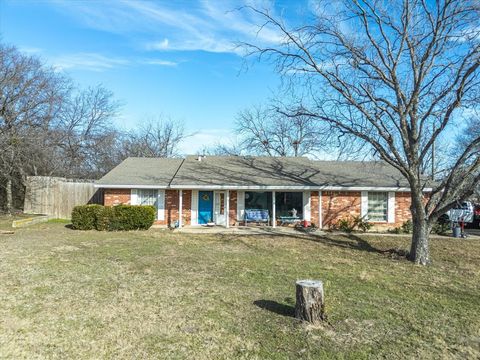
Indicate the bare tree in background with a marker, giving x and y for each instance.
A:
(155, 138)
(31, 95)
(264, 131)
(396, 75)
(83, 135)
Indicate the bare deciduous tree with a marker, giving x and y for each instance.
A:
(394, 74)
(83, 134)
(267, 132)
(31, 95)
(155, 138)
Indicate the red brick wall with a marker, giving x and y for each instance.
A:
(232, 207)
(171, 207)
(402, 208)
(116, 197)
(339, 204)
(187, 207)
(335, 206)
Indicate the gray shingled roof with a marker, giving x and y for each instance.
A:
(285, 171)
(238, 171)
(142, 171)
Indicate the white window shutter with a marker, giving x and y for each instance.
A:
(391, 207)
(133, 197)
(306, 206)
(161, 204)
(364, 205)
(194, 211)
(240, 205)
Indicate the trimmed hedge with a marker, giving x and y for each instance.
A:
(106, 218)
(84, 217)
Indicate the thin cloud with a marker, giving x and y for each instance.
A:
(207, 26)
(87, 61)
(30, 50)
(99, 62)
(159, 62)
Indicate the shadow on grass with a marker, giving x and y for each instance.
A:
(275, 307)
(347, 241)
(355, 242)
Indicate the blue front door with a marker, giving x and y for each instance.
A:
(205, 207)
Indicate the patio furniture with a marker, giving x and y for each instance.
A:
(256, 216)
(289, 220)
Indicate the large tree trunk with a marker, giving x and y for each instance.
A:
(419, 250)
(9, 197)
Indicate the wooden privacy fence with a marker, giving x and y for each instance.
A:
(56, 196)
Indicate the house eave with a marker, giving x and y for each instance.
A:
(126, 186)
(260, 187)
(294, 187)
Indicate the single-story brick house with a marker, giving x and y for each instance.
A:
(221, 189)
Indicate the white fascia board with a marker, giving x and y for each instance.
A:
(260, 187)
(298, 188)
(130, 186)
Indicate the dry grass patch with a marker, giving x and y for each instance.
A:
(158, 294)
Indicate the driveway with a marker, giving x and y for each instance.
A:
(473, 232)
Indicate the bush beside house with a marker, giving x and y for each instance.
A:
(108, 218)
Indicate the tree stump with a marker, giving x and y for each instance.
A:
(310, 302)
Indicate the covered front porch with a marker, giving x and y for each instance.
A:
(245, 208)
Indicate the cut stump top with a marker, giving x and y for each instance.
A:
(310, 283)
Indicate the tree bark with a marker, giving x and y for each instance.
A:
(9, 200)
(310, 305)
(420, 247)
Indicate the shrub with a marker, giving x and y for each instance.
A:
(407, 227)
(121, 217)
(349, 224)
(84, 217)
(361, 223)
(441, 228)
(396, 230)
(346, 225)
(103, 219)
(131, 217)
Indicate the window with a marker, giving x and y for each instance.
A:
(289, 204)
(147, 197)
(378, 206)
(258, 200)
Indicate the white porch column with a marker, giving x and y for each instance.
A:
(227, 209)
(306, 206)
(180, 206)
(320, 214)
(274, 214)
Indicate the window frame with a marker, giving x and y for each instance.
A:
(386, 203)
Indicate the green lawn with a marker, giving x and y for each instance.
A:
(157, 294)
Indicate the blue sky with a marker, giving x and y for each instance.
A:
(176, 58)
